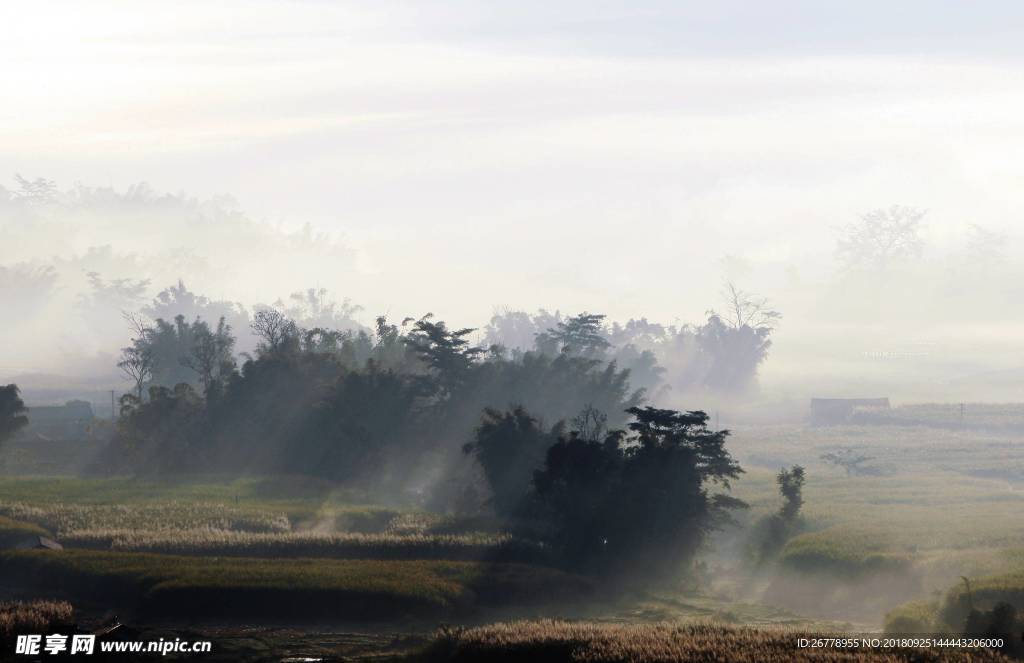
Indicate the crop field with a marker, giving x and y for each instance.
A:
(880, 546)
(354, 590)
(32, 616)
(551, 640)
(926, 506)
(232, 543)
(984, 416)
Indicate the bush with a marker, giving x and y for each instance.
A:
(842, 553)
(912, 617)
(985, 594)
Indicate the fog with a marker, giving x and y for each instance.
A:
(477, 158)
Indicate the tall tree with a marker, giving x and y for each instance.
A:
(12, 412)
(211, 356)
(275, 330)
(579, 336)
(881, 239)
(446, 352)
(638, 504)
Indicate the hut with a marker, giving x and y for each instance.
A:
(837, 411)
(35, 542)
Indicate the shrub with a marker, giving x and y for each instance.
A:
(984, 594)
(912, 617)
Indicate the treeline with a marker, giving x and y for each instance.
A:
(347, 405)
(536, 434)
(360, 404)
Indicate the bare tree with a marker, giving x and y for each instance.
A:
(273, 327)
(882, 238)
(744, 309)
(137, 360)
(848, 459)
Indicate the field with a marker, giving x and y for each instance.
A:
(651, 643)
(170, 587)
(1008, 417)
(882, 545)
(928, 506)
(33, 616)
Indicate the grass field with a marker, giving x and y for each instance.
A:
(33, 616)
(550, 640)
(987, 416)
(168, 586)
(348, 545)
(886, 544)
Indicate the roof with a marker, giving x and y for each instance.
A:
(39, 543)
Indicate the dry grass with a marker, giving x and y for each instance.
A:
(17, 617)
(349, 545)
(588, 642)
(179, 587)
(66, 519)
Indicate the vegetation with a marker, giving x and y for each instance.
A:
(228, 543)
(981, 594)
(589, 642)
(842, 553)
(162, 586)
(913, 617)
(12, 412)
(1007, 417)
(636, 505)
(22, 617)
(771, 532)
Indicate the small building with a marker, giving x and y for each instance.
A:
(38, 543)
(837, 411)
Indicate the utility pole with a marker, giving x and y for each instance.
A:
(113, 410)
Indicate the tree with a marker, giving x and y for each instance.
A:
(178, 300)
(313, 308)
(735, 342)
(12, 412)
(39, 190)
(447, 353)
(744, 309)
(164, 434)
(579, 336)
(510, 446)
(137, 360)
(881, 239)
(637, 504)
(274, 329)
(791, 487)
(211, 356)
(848, 459)
(772, 532)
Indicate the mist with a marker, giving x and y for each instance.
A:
(662, 315)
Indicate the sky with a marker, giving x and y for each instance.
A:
(604, 156)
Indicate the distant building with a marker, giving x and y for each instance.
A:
(71, 421)
(837, 411)
(38, 543)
